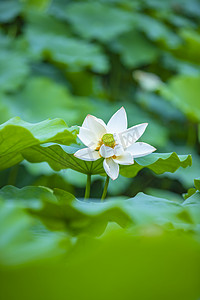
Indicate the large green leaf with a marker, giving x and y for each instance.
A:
(62, 157)
(184, 92)
(16, 135)
(159, 163)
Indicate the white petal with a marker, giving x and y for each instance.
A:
(131, 135)
(111, 168)
(95, 125)
(106, 151)
(88, 138)
(140, 149)
(118, 150)
(87, 154)
(118, 122)
(124, 159)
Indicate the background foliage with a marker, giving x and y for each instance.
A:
(61, 60)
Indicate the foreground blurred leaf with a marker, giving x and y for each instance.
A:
(16, 135)
(99, 266)
(18, 243)
(60, 210)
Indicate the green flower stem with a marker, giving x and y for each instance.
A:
(87, 189)
(105, 188)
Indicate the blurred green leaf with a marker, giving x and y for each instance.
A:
(189, 50)
(184, 92)
(180, 66)
(54, 43)
(135, 49)
(4, 110)
(13, 70)
(107, 21)
(42, 98)
(157, 31)
(39, 5)
(9, 10)
(165, 109)
(183, 7)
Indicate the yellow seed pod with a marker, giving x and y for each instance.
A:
(108, 140)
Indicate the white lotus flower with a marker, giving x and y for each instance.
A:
(114, 142)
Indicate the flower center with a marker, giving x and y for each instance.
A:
(108, 140)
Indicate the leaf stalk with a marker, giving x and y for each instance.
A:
(88, 186)
(105, 188)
